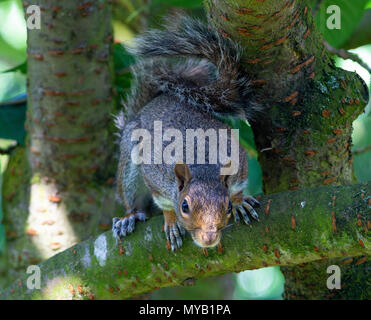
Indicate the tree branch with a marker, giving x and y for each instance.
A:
(362, 150)
(287, 234)
(310, 107)
(342, 53)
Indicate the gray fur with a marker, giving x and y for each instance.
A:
(187, 93)
(209, 78)
(119, 121)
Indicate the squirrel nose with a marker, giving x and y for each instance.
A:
(209, 238)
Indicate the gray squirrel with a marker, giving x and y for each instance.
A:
(204, 82)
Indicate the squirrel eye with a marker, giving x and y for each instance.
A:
(185, 207)
(229, 207)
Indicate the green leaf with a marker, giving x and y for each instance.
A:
(121, 58)
(22, 68)
(362, 139)
(122, 61)
(245, 134)
(12, 118)
(255, 182)
(123, 82)
(350, 15)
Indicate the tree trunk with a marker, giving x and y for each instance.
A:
(305, 138)
(56, 187)
(99, 268)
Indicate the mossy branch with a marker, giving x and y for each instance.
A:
(287, 234)
(311, 105)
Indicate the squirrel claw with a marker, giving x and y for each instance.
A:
(251, 210)
(245, 208)
(252, 202)
(235, 215)
(244, 215)
(181, 229)
(174, 235)
(123, 226)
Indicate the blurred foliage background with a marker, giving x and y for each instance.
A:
(134, 16)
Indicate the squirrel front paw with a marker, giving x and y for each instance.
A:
(245, 209)
(125, 225)
(174, 231)
(174, 234)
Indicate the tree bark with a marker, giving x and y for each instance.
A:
(296, 227)
(305, 138)
(56, 187)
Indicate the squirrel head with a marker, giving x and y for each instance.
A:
(204, 206)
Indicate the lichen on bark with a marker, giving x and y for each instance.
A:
(295, 228)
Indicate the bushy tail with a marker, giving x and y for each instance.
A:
(218, 85)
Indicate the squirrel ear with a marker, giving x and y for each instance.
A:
(182, 174)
